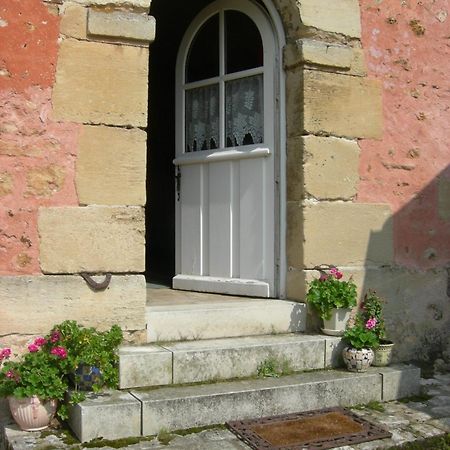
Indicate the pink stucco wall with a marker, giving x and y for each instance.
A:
(37, 153)
(407, 47)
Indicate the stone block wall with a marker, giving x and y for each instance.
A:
(73, 113)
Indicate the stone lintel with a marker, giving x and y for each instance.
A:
(313, 52)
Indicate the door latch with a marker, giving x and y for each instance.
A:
(178, 183)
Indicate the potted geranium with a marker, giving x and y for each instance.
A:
(333, 298)
(34, 383)
(372, 308)
(93, 354)
(361, 339)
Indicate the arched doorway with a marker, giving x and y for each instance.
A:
(233, 237)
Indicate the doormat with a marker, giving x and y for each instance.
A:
(311, 430)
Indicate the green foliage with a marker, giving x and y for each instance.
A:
(359, 336)
(372, 307)
(273, 368)
(165, 436)
(45, 370)
(329, 292)
(92, 348)
(432, 443)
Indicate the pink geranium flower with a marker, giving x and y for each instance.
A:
(55, 336)
(323, 277)
(9, 374)
(40, 341)
(61, 352)
(371, 323)
(5, 353)
(33, 348)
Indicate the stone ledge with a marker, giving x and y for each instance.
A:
(121, 25)
(52, 299)
(140, 5)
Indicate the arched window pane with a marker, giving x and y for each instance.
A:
(244, 111)
(203, 57)
(243, 44)
(202, 118)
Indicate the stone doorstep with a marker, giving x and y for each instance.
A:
(222, 359)
(246, 317)
(117, 414)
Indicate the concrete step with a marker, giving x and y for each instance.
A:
(117, 415)
(223, 359)
(212, 316)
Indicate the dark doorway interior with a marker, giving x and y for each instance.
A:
(172, 19)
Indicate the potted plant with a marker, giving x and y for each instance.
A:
(361, 339)
(34, 383)
(93, 355)
(372, 308)
(333, 298)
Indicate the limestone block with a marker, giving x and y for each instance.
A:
(92, 239)
(294, 102)
(143, 5)
(312, 52)
(121, 25)
(6, 183)
(111, 415)
(341, 105)
(347, 234)
(294, 170)
(399, 381)
(101, 84)
(294, 234)
(330, 167)
(142, 366)
(52, 299)
(74, 21)
(358, 65)
(338, 16)
(111, 166)
(44, 181)
(444, 198)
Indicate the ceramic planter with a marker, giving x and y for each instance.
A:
(335, 326)
(32, 414)
(85, 376)
(383, 354)
(357, 360)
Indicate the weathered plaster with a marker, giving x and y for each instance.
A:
(406, 47)
(37, 154)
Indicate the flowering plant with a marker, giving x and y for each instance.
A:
(97, 349)
(371, 309)
(362, 333)
(39, 372)
(330, 291)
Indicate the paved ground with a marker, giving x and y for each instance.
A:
(406, 421)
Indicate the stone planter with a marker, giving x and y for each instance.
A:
(357, 360)
(335, 326)
(383, 354)
(32, 414)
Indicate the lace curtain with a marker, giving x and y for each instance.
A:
(202, 118)
(244, 122)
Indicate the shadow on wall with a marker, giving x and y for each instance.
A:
(416, 286)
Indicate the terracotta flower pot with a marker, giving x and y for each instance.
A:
(32, 414)
(357, 360)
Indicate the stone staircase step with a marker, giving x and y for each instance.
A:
(226, 358)
(174, 408)
(212, 319)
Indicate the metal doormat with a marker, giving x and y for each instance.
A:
(312, 430)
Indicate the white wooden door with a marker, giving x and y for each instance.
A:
(225, 162)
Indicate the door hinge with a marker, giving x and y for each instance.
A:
(178, 183)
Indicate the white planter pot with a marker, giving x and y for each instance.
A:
(357, 360)
(31, 414)
(335, 326)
